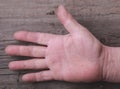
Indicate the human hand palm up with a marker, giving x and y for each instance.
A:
(75, 57)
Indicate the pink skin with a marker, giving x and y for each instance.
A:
(75, 57)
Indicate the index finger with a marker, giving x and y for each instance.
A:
(35, 37)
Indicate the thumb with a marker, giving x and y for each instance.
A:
(68, 21)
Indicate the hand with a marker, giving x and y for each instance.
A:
(75, 57)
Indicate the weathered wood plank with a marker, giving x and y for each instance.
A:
(31, 9)
(8, 79)
(7, 72)
(110, 30)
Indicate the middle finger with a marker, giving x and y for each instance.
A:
(32, 51)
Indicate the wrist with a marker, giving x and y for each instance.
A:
(111, 64)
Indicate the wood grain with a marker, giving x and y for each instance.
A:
(101, 17)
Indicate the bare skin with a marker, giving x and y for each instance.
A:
(75, 57)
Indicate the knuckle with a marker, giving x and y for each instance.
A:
(36, 64)
(40, 76)
(32, 50)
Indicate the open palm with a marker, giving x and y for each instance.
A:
(75, 57)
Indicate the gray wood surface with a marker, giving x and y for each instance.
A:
(101, 17)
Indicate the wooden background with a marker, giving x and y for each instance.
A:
(101, 17)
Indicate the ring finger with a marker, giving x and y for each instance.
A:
(28, 64)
